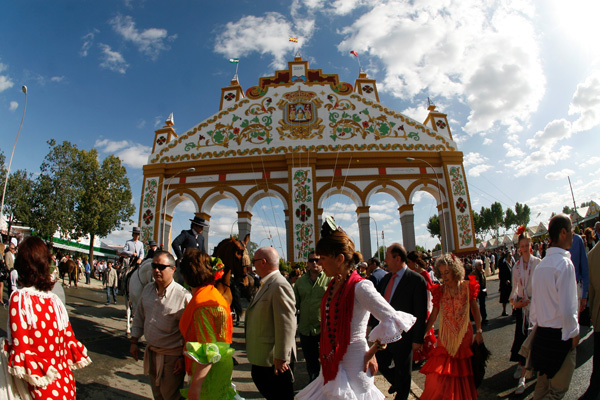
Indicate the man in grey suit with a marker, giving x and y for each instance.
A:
(271, 329)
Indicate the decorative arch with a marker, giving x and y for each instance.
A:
(427, 185)
(389, 187)
(302, 110)
(349, 189)
(218, 193)
(261, 191)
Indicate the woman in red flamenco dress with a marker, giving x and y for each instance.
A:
(41, 348)
(448, 370)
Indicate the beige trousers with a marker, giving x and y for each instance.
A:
(170, 384)
(557, 387)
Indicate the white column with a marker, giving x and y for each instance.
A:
(364, 231)
(407, 220)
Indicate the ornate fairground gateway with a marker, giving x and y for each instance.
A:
(302, 136)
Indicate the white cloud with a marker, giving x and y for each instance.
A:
(478, 170)
(487, 141)
(553, 132)
(266, 35)
(541, 158)
(150, 42)
(554, 176)
(513, 151)
(57, 79)
(13, 106)
(88, 41)
(5, 81)
(134, 155)
(141, 124)
(473, 159)
(586, 103)
(112, 60)
(158, 121)
(492, 63)
(590, 161)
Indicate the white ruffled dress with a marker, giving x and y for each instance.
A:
(351, 383)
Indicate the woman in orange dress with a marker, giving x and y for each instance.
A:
(448, 369)
(207, 327)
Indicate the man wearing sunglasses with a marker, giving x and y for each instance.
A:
(157, 318)
(309, 291)
(271, 329)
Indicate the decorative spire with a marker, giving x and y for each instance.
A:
(170, 121)
(430, 105)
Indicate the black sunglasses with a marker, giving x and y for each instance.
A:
(315, 260)
(160, 267)
(257, 259)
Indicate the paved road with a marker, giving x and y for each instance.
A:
(115, 375)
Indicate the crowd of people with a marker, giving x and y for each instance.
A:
(353, 318)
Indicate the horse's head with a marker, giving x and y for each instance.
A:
(234, 254)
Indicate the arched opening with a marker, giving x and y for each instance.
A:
(425, 207)
(385, 227)
(342, 208)
(269, 224)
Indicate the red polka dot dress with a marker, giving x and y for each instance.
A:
(41, 347)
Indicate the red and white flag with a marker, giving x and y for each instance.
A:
(355, 54)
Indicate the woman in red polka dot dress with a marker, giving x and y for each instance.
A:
(41, 347)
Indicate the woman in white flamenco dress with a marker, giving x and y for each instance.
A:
(348, 364)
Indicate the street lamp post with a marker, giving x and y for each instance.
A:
(192, 169)
(24, 89)
(443, 233)
(376, 236)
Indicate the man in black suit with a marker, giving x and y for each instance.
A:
(191, 238)
(406, 291)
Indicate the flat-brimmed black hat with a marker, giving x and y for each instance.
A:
(199, 221)
(136, 230)
(152, 243)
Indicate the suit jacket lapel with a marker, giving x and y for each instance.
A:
(261, 292)
(399, 287)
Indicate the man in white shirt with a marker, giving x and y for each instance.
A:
(554, 309)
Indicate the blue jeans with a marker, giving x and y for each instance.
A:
(114, 294)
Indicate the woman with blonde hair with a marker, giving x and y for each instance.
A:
(449, 374)
(520, 299)
(348, 364)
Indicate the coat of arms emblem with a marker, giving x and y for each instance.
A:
(300, 116)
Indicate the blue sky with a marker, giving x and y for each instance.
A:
(519, 80)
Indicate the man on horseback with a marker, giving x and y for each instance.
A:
(133, 251)
(191, 238)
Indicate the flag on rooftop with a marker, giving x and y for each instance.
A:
(355, 54)
(294, 39)
(234, 60)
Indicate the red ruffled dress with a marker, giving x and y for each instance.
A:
(429, 342)
(449, 372)
(41, 347)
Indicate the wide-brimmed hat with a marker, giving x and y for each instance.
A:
(152, 243)
(199, 221)
(136, 230)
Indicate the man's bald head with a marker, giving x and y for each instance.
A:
(266, 260)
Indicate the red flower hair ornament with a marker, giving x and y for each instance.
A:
(521, 230)
(217, 267)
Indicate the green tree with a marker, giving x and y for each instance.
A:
(523, 214)
(55, 192)
(420, 248)
(433, 226)
(567, 210)
(380, 253)
(103, 196)
(510, 219)
(17, 202)
(497, 217)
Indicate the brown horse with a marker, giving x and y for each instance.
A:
(234, 254)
